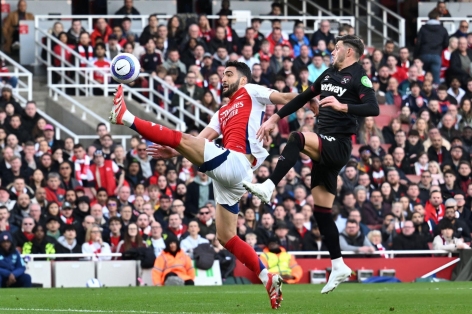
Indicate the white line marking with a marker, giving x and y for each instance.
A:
(84, 311)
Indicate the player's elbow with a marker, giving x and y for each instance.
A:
(376, 110)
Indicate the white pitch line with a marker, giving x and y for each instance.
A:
(85, 311)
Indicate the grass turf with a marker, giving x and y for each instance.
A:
(446, 297)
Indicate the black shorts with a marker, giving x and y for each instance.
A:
(335, 153)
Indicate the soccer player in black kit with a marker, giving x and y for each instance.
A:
(346, 93)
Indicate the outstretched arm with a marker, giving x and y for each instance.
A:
(281, 98)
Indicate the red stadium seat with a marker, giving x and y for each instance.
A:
(382, 120)
(406, 128)
(387, 110)
(355, 150)
(386, 147)
(413, 178)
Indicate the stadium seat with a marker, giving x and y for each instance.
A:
(387, 110)
(385, 146)
(413, 178)
(106, 273)
(355, 149)
(382, 120)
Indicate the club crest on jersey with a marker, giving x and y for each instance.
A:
(326, 78)
(345, 80)
(333, 89)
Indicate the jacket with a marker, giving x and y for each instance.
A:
(348, 243)
(197, 95)
(432, 39)
(46, 246)
(193, 196)
(455, 65)
(63, 247)
(96, 33)
(372, 216)
(441, 243)
(166, 263)
(55, 196)
(10, 25)
(430, 212)
(412, 242)
(108, 181)
(11, 261)
(297, 46)
(282, 263)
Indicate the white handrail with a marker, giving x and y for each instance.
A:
(122, 138)
(57, 91)
(295, 253)
(19, 71)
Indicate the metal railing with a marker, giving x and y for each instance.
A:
(450, 23)
(83, 82)
(60, 129)
(372, 12)
(24, 89)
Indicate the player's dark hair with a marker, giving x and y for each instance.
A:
(241, 67)
(353, 42)
(433, 15)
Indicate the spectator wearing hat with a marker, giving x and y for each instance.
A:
(379, 95)
(67, 243)
(104, 174)
(279, 261)
(50, 138)
(461, 230)
(7, 98)
(173, 266)
(12, 266)
(67, 214)
(447, 240)
(53, 224)
(288, 242)
(313, 241)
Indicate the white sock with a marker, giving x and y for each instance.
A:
(337, 263)
(264, 276)
(128, 118)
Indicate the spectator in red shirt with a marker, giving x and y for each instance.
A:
(434, 208)
(103, 64)
(395, 71)
(53, 192)
(276, 38)
(102, 30)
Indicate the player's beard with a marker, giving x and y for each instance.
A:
(232, 88)
(339, 60)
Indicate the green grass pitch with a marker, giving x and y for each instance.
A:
(446, 297)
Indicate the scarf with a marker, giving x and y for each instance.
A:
(67, 221)
(229, 34)
(82, 167)
(88, 55)
(381, 248)
(216, 91)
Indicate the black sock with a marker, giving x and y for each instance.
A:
(328, 230)
(289, 157)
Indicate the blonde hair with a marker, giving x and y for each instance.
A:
(88, 235)
(374, 233)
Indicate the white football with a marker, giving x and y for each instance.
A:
(93, 283)
(125, 68)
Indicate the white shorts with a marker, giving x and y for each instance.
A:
(228, 169)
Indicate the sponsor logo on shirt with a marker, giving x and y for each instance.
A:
(333, 88)
(230, 112)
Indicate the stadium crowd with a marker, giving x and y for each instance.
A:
(408, 186)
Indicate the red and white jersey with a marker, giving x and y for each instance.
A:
(104, 65)
(240, 119)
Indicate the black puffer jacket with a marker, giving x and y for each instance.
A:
(432, 39)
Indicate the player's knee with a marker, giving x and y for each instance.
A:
(298, 138)
(224, 237)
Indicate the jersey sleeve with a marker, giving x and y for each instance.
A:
(368, 106)
(261, 93)
(316, 86)
(215, 122)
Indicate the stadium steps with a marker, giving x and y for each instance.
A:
(82, 124)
